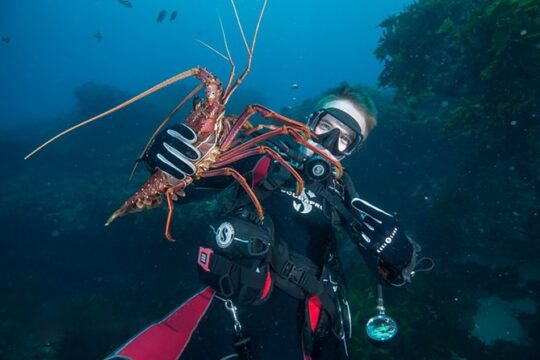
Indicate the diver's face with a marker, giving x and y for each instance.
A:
(339, 128)
(328, 123)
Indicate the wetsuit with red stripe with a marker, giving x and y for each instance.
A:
(276, 326)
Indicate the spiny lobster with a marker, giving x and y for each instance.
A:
(217, 136)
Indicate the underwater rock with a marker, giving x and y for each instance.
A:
(98, 36)
(530, 271)
(495, 320)
(173, 16)
(126, 3)
(92, 98)
(6, 39)
(161, 16)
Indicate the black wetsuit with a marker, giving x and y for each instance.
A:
(305, 223)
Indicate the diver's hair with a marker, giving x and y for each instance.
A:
(362, 100)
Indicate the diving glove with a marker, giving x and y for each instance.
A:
(173, 151)
(382, 236)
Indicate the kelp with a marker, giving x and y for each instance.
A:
(482, 55)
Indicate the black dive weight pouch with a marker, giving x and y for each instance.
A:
(234, 258)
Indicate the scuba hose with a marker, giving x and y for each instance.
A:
(241, 342)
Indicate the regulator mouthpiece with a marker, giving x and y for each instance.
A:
(317, 169)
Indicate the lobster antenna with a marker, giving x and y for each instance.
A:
(233, 67)
(257, 27)
(213, 49)
(153, 89)
(240, 25)
(225, 40)
(250, 51)
(171, 114)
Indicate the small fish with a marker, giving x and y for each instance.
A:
(98, 36)
(173, 15)
(126, 3)
(161, 16)
(6, 39)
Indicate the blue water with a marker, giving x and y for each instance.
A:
(52, 48)
(72, 288)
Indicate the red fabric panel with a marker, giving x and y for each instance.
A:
(260, 171)
(267, 285)
(167, 339)
(314, 310)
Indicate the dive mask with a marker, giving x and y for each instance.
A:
(330, 139)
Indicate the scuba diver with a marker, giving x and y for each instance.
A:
(274, 287)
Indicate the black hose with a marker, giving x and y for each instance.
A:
(242, 345)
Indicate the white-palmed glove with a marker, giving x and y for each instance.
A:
(173, 152)
(382, 236)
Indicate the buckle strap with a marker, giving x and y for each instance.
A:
(293, 273)
(301, 276)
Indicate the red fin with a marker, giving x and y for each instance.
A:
(167, 339)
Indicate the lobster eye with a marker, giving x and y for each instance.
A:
(196, 102)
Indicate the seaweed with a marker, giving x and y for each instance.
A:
(482, 53)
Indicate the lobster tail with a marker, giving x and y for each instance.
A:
(149, 196)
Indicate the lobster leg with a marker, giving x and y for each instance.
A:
(266, 113)
(170, 204)
(242, 181)
(283, 131)
(322, 153)
(249, 129)
(171, 195)
(259, 127)
(273, 154)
